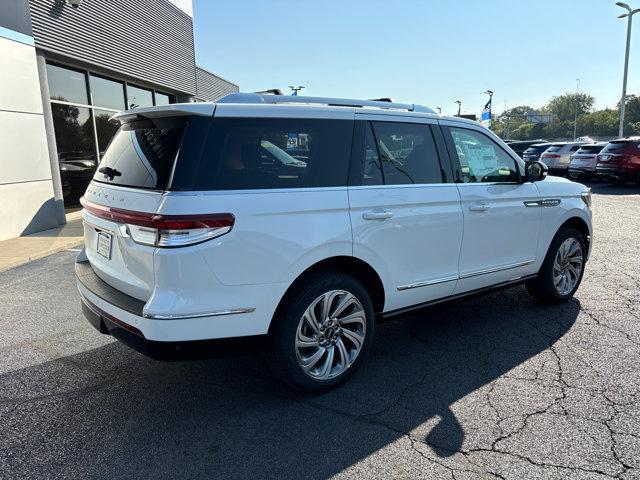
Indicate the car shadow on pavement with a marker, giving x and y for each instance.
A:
(601, 188)
(112, 413)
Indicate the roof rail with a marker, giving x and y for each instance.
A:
(333, 102)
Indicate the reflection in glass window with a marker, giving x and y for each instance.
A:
(481, 159)
(139, 97)
(107, 93)
(162, 99)
(76, 149)
(408, 153)
(105, 129)
(67, 85)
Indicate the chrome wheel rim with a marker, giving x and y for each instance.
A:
(567, 266)
(330, 335)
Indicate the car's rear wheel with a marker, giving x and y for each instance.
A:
(562, 269)
(322, 333)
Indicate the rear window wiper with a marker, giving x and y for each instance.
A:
(109, 173)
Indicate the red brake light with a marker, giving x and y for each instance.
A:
(165, 230)
(550, 155)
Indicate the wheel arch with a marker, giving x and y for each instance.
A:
(582, 227)
(357, 268)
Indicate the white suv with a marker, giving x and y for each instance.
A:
(301, 220)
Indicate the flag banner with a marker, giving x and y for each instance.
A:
(485, 117)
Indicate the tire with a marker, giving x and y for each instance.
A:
(305, 368)
(545, 287)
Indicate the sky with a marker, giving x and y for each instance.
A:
(431, 52)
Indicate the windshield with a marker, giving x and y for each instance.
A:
(142, 154)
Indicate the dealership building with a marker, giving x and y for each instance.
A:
(66, 69)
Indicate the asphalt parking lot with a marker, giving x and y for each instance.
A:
(493, 387)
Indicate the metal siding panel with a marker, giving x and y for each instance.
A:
(150, 40)
(210, 87)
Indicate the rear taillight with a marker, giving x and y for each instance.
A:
(164, 230)
(550, 155)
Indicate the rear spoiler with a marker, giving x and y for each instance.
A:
(172, 110)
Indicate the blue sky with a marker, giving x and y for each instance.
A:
(429, 52)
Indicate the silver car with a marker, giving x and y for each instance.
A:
(558, 156)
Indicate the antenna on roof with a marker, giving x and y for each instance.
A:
(382, 99)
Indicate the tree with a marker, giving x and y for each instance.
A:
(563, 107)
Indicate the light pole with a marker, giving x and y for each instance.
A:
(459, 106)
(629, 16)
(575, 120)
(296, 89)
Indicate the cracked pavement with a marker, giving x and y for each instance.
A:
(491, 387)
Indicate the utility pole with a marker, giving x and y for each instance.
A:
(623, 100)
(575, 120)
(459, 106)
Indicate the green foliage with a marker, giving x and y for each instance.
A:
(599, 124)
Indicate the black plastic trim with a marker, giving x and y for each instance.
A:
(92, 282)
(472, 293)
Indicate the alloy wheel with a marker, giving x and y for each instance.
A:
(567, 266)
(330, 334)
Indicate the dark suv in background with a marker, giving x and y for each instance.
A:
(619, 161)
(519, 146)
(534, 151)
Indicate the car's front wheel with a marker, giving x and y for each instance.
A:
(562, 269)
(322, 333)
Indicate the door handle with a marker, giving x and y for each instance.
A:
(478, 207)
(380, 215)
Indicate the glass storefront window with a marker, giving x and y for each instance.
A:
(162, 99)
(76, 149)
(139, 97)
(67, 85)
(105, 129)
(107, 93)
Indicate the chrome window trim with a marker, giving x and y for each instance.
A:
(462, 276)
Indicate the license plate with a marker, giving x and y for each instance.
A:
(604, 158)
(104, 245)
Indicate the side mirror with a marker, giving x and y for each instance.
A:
(535, 171)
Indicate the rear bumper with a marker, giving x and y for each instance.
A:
(124, 317)
(579, 172)
(617, 173)
(169, 351)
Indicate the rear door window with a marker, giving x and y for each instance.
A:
(261, 153)
(142, 154)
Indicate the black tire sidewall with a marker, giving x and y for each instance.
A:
(282, 354)
(545, 276)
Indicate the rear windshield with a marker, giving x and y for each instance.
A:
(536, 149)
(555, 148)
(142, 154)
(613, 146)
(590, 148)
(259, 153)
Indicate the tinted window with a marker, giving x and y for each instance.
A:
(574, 148)
(107, 93)
(406, 153)
(254, 153)
(481, 159)
(372, 168)
(613, 146)
(74, 132)
(139, 97)
(142, 154)
(67, 85)
(590, 148)
(554, 148)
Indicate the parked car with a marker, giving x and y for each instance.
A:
(583, 163)
(534, 151)
(619, 161)
(519, 146)
(558, 157)
(76, 171)
(192, 235)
